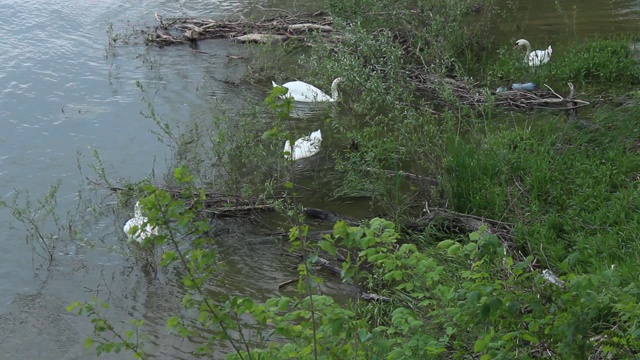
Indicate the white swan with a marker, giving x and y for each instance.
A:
(137, 228)
(304, 147)
(537, 57)
(303, 92)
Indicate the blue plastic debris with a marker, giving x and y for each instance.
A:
(525, 87)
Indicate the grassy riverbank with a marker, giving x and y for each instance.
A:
(568, 186)
(519, 193)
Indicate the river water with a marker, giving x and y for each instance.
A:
(65, 93)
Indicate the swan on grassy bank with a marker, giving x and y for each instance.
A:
(537, 57)
(137, 228)
(304, 147)
(303, 92)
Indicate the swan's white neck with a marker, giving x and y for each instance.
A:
(528, 46)
(335, 95)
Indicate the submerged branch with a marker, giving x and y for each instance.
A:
(217, 204)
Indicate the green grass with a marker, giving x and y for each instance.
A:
(600, 61)
(572, 188)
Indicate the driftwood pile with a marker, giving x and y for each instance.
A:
(443, 88)
(170, 31)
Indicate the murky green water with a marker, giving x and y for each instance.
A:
(560, 23)
(64, 93)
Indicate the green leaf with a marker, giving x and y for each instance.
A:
(88, 343)
(480, 345)
(337, 326)
(513, 307)
(74, 305)
(283, 304)
(327, 246)
(508, 262)
(454, 249)
(527, 336)
(471, 246)
(485, 311)
(473, 297)
(270, 134)
(393, 275)
(407, 248)
(445, 244)
(495, 303)
(364, 335)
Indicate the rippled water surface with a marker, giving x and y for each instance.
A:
(64, 92)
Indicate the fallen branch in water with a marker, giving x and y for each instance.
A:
(329, 266)
(222, 211)
(215, 203)
(286, 283)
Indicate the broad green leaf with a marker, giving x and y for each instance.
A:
(88, 343)
(445, 244)
(480, 345)
(529, 337)
(454, 249)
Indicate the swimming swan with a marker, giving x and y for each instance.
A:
(137, 228)
(304, 147)
(537, 57)
(303, 92)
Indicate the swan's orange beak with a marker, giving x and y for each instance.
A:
(516, 46)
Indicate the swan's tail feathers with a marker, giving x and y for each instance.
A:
(274, 83)
(316, 135)
(549, 50)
